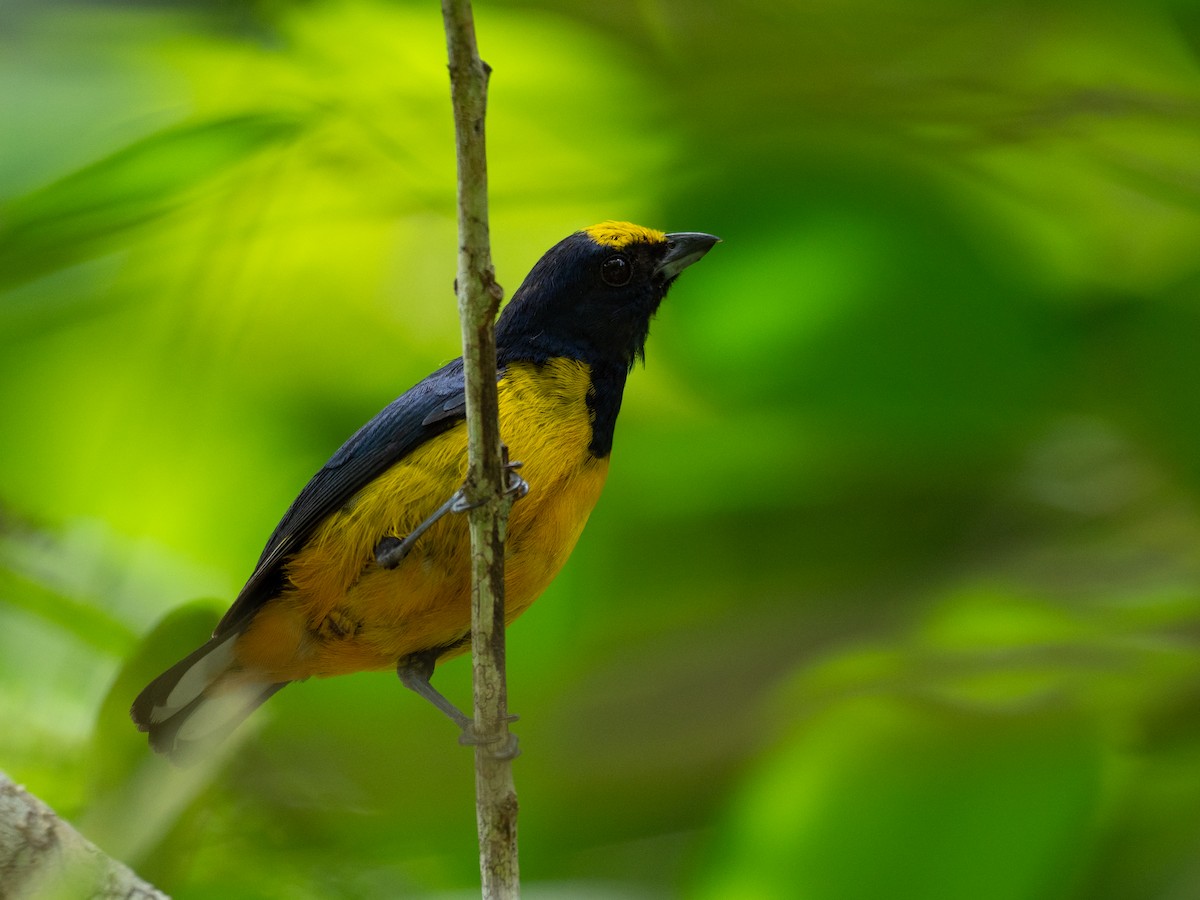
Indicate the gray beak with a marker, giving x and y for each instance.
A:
(683, 249)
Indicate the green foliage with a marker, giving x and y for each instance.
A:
(894, 587)
(77, 217)
(887, 798)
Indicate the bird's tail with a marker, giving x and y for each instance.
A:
(197, 702)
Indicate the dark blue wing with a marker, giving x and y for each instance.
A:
(427, 409)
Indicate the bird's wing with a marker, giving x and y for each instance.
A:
(427, 409)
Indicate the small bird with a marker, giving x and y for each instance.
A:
(370, 568)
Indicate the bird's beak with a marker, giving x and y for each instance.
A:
(683, 249)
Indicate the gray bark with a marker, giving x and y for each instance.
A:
(43, 857)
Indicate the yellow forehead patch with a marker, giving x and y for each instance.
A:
(619, 235)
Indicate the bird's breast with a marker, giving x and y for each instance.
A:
(546, 421)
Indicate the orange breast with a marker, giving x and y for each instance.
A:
(344, 613)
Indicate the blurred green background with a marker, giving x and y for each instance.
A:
(895, 587)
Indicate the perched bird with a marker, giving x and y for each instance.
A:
(369, 568)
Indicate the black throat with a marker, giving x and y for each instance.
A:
(604, 402)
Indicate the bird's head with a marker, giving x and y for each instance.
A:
(592, 295)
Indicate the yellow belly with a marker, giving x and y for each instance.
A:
(343, 613)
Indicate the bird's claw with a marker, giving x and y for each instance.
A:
(515, 485)
(504, 745)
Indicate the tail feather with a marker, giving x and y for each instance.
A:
(197, 702)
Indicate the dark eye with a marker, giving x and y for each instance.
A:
(616, 270)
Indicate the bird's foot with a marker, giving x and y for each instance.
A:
(514, 485)
(500, 744)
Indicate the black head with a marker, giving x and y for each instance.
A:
(593, 294)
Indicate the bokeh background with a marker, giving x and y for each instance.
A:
(895, 587)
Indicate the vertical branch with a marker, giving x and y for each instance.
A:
(478, 300)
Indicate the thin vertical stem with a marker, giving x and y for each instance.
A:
(478, 301)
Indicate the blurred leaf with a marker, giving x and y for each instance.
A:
(80, 215)
(84, 620)
(887, 798)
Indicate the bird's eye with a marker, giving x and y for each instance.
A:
(616, 270)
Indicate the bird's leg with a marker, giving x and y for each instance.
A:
(415, 671)
(390, 551)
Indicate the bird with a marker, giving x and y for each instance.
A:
(369, 568)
